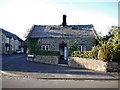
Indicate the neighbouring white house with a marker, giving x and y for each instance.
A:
(10, 43)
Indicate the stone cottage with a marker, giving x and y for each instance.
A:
(10, 43)
(61, 37)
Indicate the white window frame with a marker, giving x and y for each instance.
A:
(83, 47)
(45, 47)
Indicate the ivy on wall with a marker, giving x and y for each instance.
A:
(32, 45)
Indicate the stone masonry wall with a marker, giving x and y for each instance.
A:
(44, 59)
(96, 65)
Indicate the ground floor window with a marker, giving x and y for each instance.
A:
(45, 47)
(82, 48)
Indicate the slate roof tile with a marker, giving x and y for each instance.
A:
(39, 31)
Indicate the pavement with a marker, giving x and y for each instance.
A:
(50, 76)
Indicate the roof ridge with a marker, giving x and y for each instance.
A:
(11, 35)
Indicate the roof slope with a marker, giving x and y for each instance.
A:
(10, 35)
(39, 31)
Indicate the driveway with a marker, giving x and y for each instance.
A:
(17, 63)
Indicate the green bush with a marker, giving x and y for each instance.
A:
(72, 49)
(94, 52)
(84, 54)
(105, 53)
(87, 54)
(53, 53)
(75, 54)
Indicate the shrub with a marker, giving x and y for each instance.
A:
(105, 52)
(72, 49)
(41, 52)
(84, 54)
(75, 53)
(87, 54)
(94, 52)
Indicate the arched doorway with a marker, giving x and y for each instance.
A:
(63, 53)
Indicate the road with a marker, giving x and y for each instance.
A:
(33, 83)
(33, 72)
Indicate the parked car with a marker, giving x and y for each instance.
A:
(18, 51)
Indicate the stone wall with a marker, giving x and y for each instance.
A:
(96, 65)
(44, 59)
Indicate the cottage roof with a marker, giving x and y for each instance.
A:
(39, 31)
(10, 35)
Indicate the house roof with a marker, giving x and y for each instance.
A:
(10, 35)
(39, 31)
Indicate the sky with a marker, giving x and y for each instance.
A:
(17, 16)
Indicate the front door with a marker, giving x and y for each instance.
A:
(63, 53)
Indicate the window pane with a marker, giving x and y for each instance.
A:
(43, 47)
(84, 48)
(46, 47)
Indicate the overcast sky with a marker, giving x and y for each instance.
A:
(17, 16)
